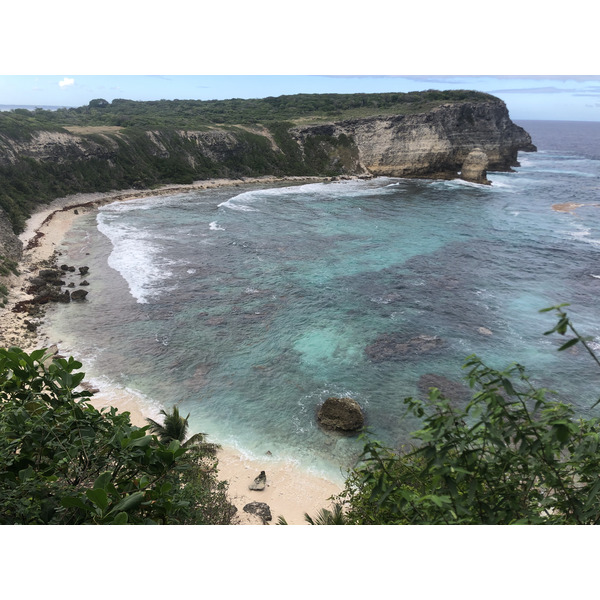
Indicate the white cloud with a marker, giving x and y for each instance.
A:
(66, 82)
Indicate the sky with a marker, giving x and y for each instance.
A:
(549, 97)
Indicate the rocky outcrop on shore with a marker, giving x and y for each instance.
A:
(474, 168)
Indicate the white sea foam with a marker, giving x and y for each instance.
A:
(564, 172)
(135, 256)
(499, 184)
(526, 162)
(461, 182)
(137, 204)
(583, 234)
(246, 201)
(215, 227)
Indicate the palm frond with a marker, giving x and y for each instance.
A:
(174, 426)
(198, 440)
(328, 517)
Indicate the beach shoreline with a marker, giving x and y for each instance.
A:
(290, 491)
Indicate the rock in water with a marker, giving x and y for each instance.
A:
(260, 509)
(78, 295)
(396, 347)
(341, 414)
(259, 482)
(456, 392)
(474, 167)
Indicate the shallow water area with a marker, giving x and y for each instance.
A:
(249, 307)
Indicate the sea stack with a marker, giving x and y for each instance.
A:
(474, 167)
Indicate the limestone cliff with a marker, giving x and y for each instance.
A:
(433, 144)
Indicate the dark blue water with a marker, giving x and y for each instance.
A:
(248, 307)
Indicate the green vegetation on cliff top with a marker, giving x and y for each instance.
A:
(198, 114)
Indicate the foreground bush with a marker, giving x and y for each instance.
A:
(510, 456)
(64, 462)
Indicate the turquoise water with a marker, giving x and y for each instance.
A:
(248, 307)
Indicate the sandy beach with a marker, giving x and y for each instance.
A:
(290, 491)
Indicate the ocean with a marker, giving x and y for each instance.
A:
(249, 306)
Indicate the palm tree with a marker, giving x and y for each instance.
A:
(328, 517)
(324, 517)
(174, 427)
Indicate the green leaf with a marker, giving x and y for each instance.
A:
(99, 497)
(508, 387)
(129, 502)
(36, 355)
(102, 481)
(568, 344)
(557, 307)
(140, 442)
(74, 502)
(120, 519)
(26, 473)
(562, 432)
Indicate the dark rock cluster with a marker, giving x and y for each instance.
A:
(259, 509)
(396, 347)
(47, 286)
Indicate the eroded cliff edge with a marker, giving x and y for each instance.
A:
(41, 164)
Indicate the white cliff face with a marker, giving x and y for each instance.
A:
(428, 144)
(434, 143)
(53, 146)
(389, 148)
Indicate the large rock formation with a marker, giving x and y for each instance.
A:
(259, 483)
(431, 144)
(341, 414)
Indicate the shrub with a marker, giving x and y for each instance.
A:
(511, 456)
(64, 462)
